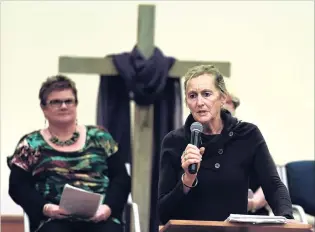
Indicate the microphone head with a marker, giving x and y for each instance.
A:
(196, 126)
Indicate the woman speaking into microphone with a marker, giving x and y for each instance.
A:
(208, 179)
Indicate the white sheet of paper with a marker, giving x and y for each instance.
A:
(80, 202)
(256, 219)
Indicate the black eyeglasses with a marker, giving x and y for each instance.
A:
(57, 103)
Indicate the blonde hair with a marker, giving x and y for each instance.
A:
(199, 70)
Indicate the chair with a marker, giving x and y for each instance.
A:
(133, 205)
(301, 184)
(297, 208)
(26, 223)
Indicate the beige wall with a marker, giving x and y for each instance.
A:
(270, 45)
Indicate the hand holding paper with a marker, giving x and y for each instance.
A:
(80, 203)
(54, 211)
(102, 214)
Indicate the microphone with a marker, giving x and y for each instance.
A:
(195, 128)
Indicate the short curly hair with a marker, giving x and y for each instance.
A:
(199, 70)
(57, 82)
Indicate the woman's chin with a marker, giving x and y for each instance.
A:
(203, 119)
(65, 120)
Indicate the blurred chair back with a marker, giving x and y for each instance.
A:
(135, 223)
(301, 184)
(298, 211)
(26, 223)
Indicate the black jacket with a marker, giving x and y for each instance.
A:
(230, 158)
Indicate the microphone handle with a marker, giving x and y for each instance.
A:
(195, 137)
(192, 168)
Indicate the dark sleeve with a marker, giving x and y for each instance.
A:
(265, 171)
(119, 184)
(171, 193)
(23, 193)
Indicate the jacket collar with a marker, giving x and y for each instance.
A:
(229, 122)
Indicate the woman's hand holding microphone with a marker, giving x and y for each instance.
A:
(191, 155)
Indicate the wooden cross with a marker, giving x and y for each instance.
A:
(142, 131)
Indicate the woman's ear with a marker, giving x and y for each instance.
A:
(223, 99)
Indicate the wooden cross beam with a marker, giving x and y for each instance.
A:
(142, 133)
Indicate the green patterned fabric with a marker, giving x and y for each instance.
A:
(52, 169)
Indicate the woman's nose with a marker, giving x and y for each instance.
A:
(200, 100)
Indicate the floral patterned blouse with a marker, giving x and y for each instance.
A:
(52, 169)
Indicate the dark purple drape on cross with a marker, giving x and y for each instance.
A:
(146, 81)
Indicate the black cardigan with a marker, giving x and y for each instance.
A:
(230, 158)
(23, 193)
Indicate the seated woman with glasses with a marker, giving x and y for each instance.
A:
(85, 157)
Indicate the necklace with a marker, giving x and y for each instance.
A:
(55, 140)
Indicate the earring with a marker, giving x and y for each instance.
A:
(76, 121)
(45, 123)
